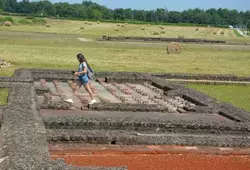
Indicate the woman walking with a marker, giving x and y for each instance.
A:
(83, 78)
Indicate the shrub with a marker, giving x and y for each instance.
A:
(4, 19)
(24, 21)
(30, 17)
(38, 21)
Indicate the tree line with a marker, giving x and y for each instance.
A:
(94, 11)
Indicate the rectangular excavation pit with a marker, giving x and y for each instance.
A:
(114, 96)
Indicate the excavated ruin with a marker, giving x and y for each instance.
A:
(131, 109)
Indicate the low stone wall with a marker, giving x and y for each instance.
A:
(160, 39)
(187, 125)
(132, 138)
(128, 107)
(201, 77)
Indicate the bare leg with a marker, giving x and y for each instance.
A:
(78, 85)
(87, 87)
(91, 87)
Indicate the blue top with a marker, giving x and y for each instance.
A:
(81, 68)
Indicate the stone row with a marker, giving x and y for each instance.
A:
(146, 124)
(135, 138)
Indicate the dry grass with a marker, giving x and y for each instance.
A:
(97, 30)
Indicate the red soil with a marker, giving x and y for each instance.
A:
(154, 160)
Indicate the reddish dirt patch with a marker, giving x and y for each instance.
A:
(144, 160)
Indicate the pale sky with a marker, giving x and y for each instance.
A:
(173, 5)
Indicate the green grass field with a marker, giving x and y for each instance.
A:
(3, 96)
(236, 95)
(36, 46)
(42, 50)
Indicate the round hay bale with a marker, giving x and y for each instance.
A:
(143, 28)
(215, 32)
(7, 23)
(161, 27)
(222, 32)
(163, 32)
(82, 28)
(98, 22)
(181, 37)
(197, 29)
(48, 25)
(89, 23)
(174, 48)
(118, 25)
(117, 29)
(123, 26)
(148, 25)
(156, 33)
(4, 63)
(86, 22)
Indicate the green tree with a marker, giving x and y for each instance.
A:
(161, 14)
(248, 25)
(128, 14)
(92, 10)
(119, 14)
(2, 4)
(174, 17)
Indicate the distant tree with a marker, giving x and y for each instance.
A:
(11, 6)
(217, 20)
(2, 4)
(128, 14)
(92, 10)
(202, 18)
(161, 14)
(119, 14)
(248, 25)
(174, 17)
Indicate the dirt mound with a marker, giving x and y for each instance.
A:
(174, 48)
(4, 63)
